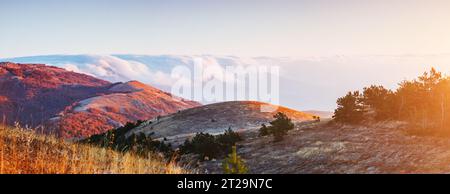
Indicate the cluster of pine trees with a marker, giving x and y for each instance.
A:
(211, 146)
(423, 102)
(140, 144)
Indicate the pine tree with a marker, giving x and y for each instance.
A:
(379, 100)
(350, 108)
(263, 131)
(280, 126)
(233, 164)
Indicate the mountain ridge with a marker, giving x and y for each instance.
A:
(71, 104)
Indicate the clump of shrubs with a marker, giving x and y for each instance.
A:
(316, 118)
(138, 143)
(143, 144)
(210, 146)
(278, 127)
(112, 137)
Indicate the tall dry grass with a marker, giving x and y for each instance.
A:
(25, 152)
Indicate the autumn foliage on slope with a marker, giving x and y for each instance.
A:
(74, 105)
(33, 93)
(128, 102)
(24, 152)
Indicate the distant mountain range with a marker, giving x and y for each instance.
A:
(75, 105)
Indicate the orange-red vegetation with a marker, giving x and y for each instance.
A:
(76, 105)
(24, 152)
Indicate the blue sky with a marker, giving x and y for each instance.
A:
(242, 28)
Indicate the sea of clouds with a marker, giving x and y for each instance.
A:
(305, 83)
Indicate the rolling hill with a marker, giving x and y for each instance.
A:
(126, 102)
(214, 119)
(33, 93)
(71, 104)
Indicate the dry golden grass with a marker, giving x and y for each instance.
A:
(25, 152)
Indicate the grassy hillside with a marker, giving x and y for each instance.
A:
(24, 152)
(215, 119)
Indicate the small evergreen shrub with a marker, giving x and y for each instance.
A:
(233, 164)
(316, 118)
(278, 127)
(264, 130)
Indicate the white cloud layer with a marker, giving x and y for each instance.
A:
(306, 83)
